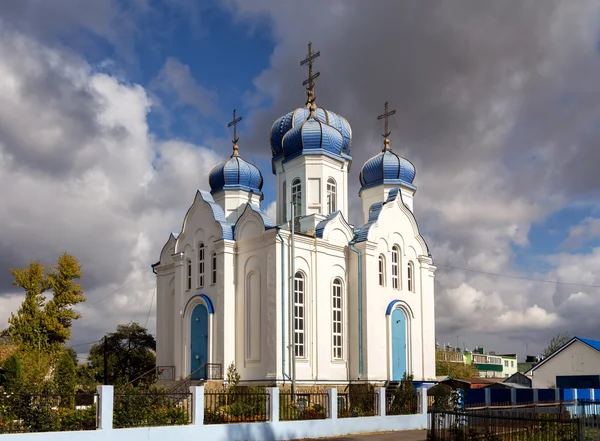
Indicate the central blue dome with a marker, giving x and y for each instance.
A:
(387, 168)
(323, 121)
(236, 174)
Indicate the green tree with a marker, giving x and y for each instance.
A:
(40, 323)
(130, 355)
(557, 342)
(14, 379)
(458, 371)
(65, 378)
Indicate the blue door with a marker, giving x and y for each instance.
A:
(398, 344)
(198, 339)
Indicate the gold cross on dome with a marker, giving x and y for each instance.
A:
(385, 117)
(310, 81)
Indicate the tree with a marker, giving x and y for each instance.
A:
(458, 371)
(557, 342)
(40, 323)
(130, 355)
(13, 374)
(65, 377)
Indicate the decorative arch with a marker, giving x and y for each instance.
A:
(402, 304)
(205, 298)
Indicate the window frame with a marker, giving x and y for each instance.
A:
(410, 279)
(189, 274)
(297, 196)
(381, 268)
(331, 189)
(396, 267)
(299, 315)
(213, 269)
(201, 264)
(337, 309)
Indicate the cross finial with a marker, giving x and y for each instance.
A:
(385, 117)
(310, 81)
(235, 137)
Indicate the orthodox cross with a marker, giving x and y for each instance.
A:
(235, 137)
(385, 117)
(311, 78)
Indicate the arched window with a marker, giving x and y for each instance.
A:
(410, 277)
(331, 196)
(299, 314)
(395, 260)
(381, 270)
(337, 318)
(213, 270)
(189, 274)
(284, 202)
(297, 197)
(200, 265)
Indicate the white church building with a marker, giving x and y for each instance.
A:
(318, 299)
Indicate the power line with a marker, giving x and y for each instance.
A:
(88, 305)
(83, 344)
(509, 276)
(150, 310)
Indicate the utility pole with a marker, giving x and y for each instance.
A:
(105, 362)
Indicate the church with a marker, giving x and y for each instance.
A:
(306, 296)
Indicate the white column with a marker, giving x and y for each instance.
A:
(274, 404)
(333, 403)
(105, 407)
(382, 403)
(423, 398)
(178, 358)
(197, 405)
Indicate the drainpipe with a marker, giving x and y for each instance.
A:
(282, 308)
(360, 320)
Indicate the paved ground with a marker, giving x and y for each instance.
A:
(405, 435)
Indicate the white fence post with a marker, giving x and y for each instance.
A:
(488, 396)
(424, 403)
(333, 403)
(105, 407)
(382, 400)
(535, 396)
(197, 405)
(513, 397)
(274, 404)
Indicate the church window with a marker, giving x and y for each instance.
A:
(299, 315)
(213, 272)
(284, 202)
(331, 196)
(337, 318)
(410, 278)
(297, 197)
(201, 250)
(395, 259)
(189, 274)
(381, 270)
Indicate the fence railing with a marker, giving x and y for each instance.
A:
(493, 424)
(358, 404)
(22, 413)
(152, 409)
(165, 373)
(401, 402)
(236, 407)
(303, 405)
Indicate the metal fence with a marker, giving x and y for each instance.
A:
(236, 407)
(303, 405)
(496, 425)
(22, 413)
(401, 402)
(589, 413)
(358, 404)
(152, 409)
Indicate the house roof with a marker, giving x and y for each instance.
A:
(594, 344)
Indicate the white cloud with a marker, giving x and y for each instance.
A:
(586, 231)
(271, 210)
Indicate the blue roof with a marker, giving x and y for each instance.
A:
(387, 168)
(320, 228)
(236, 174)
(593, 343)
(218, 215)
(363, 232)
(265, 217)
(314, 135)
(340, 144)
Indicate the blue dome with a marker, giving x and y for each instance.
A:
(313, 135)
(296, 117)
(235, 174)
(387, 168)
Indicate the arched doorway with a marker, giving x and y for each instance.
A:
(398, 344)
(198, 338)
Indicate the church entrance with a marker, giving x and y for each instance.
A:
(398, 344)
(198, 338)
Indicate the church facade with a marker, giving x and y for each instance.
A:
(306, 294)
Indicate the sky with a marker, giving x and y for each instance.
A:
(112, 114)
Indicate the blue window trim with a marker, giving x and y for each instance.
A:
(209, 304)
(393, 303)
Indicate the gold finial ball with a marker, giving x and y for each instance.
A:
(235, 150)
(386, 143)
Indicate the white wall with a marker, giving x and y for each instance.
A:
(576, 359)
